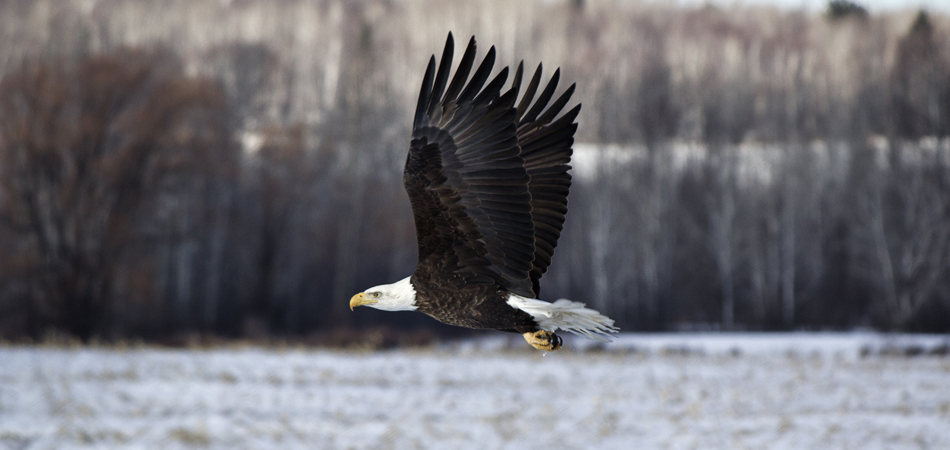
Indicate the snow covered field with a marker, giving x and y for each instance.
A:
(794, 391)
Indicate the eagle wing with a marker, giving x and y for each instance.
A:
(479, 199)
(546, 147)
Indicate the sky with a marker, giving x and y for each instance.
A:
(817, 5)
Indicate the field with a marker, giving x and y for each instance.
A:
(647, 392)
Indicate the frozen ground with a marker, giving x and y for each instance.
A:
(647, 392)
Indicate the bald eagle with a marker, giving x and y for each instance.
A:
(487, 178)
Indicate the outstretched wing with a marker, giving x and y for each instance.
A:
(466, 178)
(546, 149)
(488, 181)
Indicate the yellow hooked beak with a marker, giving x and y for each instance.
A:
(360, 300)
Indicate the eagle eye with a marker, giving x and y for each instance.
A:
(375, 294)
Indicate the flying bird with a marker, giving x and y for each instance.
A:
(487, 178)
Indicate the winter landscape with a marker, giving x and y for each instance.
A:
(756, 391)
(231, 172)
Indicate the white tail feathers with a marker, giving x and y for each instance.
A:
(566, 315)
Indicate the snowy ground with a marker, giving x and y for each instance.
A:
(646, 392)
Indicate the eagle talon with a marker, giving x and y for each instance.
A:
(543, 340)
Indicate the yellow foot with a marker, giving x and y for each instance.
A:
(543, 340)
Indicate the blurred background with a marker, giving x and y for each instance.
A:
(233, 168)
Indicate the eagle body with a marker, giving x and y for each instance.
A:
(487, 177)
(478, 306)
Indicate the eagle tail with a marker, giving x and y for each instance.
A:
(566, 315)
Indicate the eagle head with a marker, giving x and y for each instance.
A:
(399, 296)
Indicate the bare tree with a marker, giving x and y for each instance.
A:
(921, 96)
(906, 234)
(81, 150)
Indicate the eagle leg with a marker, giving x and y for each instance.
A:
(543, 340)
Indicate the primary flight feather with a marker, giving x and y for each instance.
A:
(487, 177)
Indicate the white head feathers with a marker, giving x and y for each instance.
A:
(399, 296)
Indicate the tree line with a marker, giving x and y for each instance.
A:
(741, 168)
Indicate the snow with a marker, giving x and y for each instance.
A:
(706, 391)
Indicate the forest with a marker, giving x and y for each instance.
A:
(234, 168)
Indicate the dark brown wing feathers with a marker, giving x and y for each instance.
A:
(546, 147)
(487, 180)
